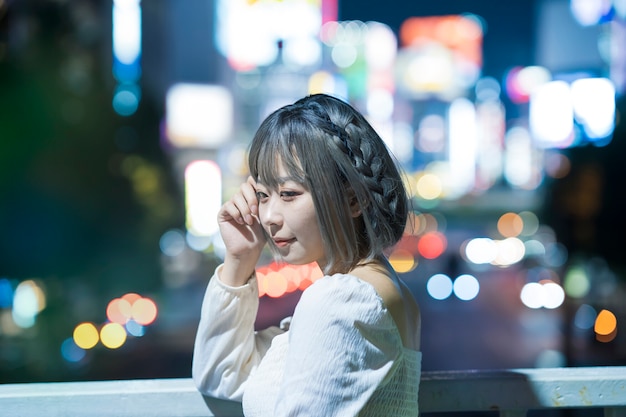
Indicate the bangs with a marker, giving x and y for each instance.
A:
(271, 148)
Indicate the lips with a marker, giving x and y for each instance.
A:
(283, 242)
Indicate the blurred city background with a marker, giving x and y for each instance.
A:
(124, 125)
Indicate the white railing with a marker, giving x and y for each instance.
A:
(511, 392)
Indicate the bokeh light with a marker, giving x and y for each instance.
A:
(275, 284)
(135, 329)
(429, 186)
(432, 245)
(119, 311)
(198, 115)
(126, 99)
(605, 326)
(29, 300)
(439, 286)
(144, 311)
(172, 242)
(481, 250)
(520, 168)
(202, 206)
(510, 251)
(530, 223)
(275, 280)
(402, 261)
(532, 295)
(380, 46)
(585, 317)
(6, 293)
(557, 165)
(521, 82)
(431, 134)
(593, 101)
(126, 315)
(466, 287)
(546, 294)
(534, 248)
(576, 282)
(590, 12)
(553, 295)
(71, 352)
(510, 225)
(556, 254)
(113, 335)
(86, 335)
(552, 115)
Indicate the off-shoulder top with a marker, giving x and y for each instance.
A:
(342, 355)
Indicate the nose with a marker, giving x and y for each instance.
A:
(270, 213)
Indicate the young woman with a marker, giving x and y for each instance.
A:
(322, 188)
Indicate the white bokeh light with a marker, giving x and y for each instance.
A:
(466, 287)
(439, 286)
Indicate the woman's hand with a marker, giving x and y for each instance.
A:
(242, 234)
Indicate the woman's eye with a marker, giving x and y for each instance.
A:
(261, 195)
(288, 194)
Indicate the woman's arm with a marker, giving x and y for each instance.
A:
(227, 348)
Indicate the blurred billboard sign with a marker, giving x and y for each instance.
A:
(198, 115)
(440, 55)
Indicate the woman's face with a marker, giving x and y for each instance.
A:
(288, 216)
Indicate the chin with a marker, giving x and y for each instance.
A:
(297, 260)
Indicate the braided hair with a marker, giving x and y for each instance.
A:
(331, 149)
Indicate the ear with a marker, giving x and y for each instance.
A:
(355, 207)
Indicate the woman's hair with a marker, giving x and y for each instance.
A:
(329, 147)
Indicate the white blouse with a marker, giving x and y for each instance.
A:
(342, 355)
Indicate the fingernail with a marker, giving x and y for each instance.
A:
(253, 209)
(249, 219)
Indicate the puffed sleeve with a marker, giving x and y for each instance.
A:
(227, 348)
(343, 344)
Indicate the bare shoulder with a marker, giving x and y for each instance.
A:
(399, 302)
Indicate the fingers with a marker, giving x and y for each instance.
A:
(243, 206)
(251, 196)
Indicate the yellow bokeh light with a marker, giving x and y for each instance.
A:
(510, 225)
(144, 311)
(86, 335)
(113, 335)
(321, 82)
(429, 187)
(402, 261)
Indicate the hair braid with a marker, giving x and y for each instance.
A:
(383, 196)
